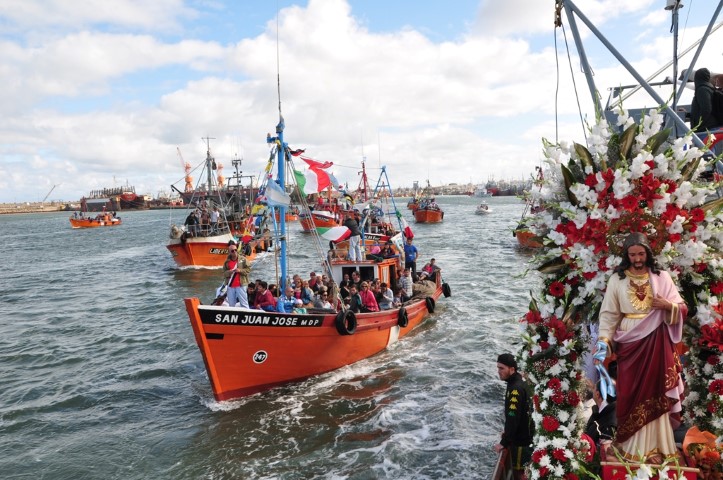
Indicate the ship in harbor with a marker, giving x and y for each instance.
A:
(114, 199)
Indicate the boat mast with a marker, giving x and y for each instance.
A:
(280, 168)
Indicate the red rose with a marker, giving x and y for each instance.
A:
(550, 424)
(557, 289)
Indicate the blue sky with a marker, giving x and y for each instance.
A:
(103, 92)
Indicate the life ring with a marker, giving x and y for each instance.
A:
(446, 290)
(430, 304)
(402, 317)
(346, 322)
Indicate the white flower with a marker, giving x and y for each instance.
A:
(621, 185)
(638, 167)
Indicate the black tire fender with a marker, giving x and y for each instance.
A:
(402, 317)
(346, 322)
(430, 304)
(446, 290)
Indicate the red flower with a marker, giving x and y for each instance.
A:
(537, 455)
(573, 398)
(601, 265)
(697, 215)
(589, 275)
(571, 476)
(554, 383)
(533, 317)
(716, 288)
(674, 237)
(716, 386)
(629, 203)
(557, 398)
(700, 267)
(544, 471)
(712, 359)
(557, 289)
(544, 344)
(591, 180)
(550, 424)
(712, 407)
(559, 454)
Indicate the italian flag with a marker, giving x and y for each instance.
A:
(314, 180)
(335, 234)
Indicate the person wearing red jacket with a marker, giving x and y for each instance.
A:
(264, 299)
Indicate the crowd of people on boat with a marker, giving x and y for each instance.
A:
(101, 217)
(320, 291)
(428, 204)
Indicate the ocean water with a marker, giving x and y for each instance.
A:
(101, 377)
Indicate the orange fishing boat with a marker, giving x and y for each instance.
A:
(247, 351)
(318, 218)
(200, 242)
(291, 216)
(428, 214)
(102, 220)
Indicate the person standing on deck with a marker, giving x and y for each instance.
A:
(517, 435)
(355, 254)
(641, 320)
(237, 273)
(410, 257)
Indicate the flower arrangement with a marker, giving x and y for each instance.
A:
(634, 181)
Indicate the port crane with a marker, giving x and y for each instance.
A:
(51, 191)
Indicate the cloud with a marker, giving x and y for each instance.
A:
(96, 99)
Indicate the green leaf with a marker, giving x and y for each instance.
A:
(627, 141)
(689, 169)
(533, 304)
(585, 157)
(713, 206)
(569, 181)
(657, 140)
(552, 266)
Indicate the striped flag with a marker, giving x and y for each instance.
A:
(314, 180)
(335, 234)
(275, 196)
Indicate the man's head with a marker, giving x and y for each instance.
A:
(506, 366)
(409, 240)
(289, 291)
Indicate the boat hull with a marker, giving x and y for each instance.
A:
(250, 351)
(318, 219)
(94, 222)
(208, 252)
(424, 215)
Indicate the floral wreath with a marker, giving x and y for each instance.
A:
(637, 180)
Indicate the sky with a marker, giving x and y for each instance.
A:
(106, 93)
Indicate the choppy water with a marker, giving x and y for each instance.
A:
(100, 376)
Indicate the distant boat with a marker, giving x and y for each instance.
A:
(483, 209)
(480, 191)
(104, 219)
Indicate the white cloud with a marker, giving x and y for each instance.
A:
(96, 97)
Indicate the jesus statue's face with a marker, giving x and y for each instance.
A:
(638, 256)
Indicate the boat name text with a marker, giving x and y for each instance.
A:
(261, 319)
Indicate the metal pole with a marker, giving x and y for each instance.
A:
(676, 118)
(583, 58)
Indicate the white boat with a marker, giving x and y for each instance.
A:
(483, 209)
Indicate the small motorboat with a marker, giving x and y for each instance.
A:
(104, 219)
(483, 209)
